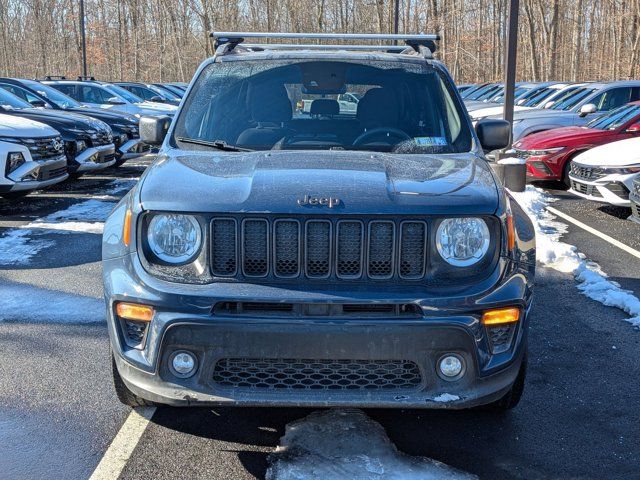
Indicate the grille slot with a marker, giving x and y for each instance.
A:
(413, 249)
(318, 248)
(286, 248)
(354, 310)
(224, 246)
(255, 248)
(305, 374)
(381, 249)
(586, 173)
(349, 254)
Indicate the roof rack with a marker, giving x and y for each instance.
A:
(83, 78)
(55, 77)
(226, 42)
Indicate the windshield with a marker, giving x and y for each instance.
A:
(375, 105)
(165, 94)
(56, 97)
(615, 118)
(8, 101)
(483, 92)
(124, 93)
(568, 101)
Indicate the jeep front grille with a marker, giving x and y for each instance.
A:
(305, 374)
(318, 248)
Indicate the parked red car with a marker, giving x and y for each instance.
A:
(548, 154)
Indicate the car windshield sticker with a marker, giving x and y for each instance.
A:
(430, 141)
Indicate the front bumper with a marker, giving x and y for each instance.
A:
(133, 148)
(95, 158)
(184, 321)
(35, 175)
(605, 189)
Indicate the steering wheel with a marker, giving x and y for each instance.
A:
(381, 134)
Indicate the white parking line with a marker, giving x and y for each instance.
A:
(595, 232)
(123, 445)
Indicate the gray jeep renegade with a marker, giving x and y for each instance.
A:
(320, 228)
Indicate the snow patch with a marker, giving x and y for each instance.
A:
(566, 258)
(39, 305)
(512, 161)
(17, 247)
(446, 397)
(347, 444)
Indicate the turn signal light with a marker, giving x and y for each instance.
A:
(126, 229)
(134, 311)
(501, 316)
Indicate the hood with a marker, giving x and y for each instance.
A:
(110, 117)
(617, 154)
(364, 183)
(67, 123)
(14, 126)
(562, 137)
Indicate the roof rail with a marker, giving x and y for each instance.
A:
(314, 46)
(55, 77)
(226, 42)
(82, 78)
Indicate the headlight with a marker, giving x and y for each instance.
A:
(462, 242)
(546, 151)
(174, 238)
(81, 146)
(14, 161)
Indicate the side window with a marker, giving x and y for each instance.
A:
(18, 92)
(141, 92)
(91, 94)
(69, 90)
(635, 94)
(614, 98)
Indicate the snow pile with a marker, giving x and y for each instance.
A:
(347, 444)
(18, 246)
(553, 253)
(38, 305)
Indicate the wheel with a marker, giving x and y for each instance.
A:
(125, 395)
(15, 195)
(510, 399)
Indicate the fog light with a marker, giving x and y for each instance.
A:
(451, 366)
(183, 364)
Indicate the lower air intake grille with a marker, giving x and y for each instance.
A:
(304, 374)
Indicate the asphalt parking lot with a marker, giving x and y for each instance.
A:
(59, 414)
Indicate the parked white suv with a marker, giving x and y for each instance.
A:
(106, 95)
(31, 156)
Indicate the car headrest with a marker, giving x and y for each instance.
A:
(325, 106)
(269, 103)
(378, 108)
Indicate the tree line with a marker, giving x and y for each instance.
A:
(165, 40)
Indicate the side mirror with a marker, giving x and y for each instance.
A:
(115, 101)
(38, 103)
(549, 104)
(588, 109)
(157, 98)
(493, 134)
(634, 128)
(154, 129)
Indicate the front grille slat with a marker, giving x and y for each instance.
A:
(586, 173)
(311, 374)
(319, 249)
(381, 249)
(223, 247)
(286, 248)
(255, 243)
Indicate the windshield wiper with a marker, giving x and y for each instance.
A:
(217, 144)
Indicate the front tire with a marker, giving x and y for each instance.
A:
(125, 395)
(510, 399)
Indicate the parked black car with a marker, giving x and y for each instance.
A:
(88, 142)
(150, 92)
(126, 134)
